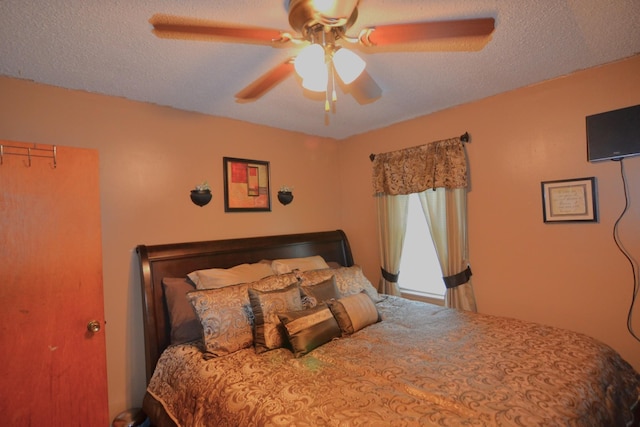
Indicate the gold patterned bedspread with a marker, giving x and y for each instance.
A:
(422, 365)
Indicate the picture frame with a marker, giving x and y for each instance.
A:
(570, 200)
(246, 185)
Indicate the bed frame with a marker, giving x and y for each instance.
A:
(180, 259)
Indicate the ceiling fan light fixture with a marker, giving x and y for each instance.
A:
(309, 60)
(323, 24)
(348, 65)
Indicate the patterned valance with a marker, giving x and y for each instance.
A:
(416, 169)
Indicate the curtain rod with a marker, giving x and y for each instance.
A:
(464, 138)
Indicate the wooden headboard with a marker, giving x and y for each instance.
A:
(180, 259)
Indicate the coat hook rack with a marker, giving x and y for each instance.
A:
(29, 152)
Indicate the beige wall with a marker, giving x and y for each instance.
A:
(150, 158)
(569, 275)
(565, 274)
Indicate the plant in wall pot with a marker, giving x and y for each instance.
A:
(285, 195)
(201, 195)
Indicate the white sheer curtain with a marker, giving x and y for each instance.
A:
(392, 224)
(438, 173)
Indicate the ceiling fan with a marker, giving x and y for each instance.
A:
(322, 26)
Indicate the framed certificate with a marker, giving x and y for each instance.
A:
(569, 200)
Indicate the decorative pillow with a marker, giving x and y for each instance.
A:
(281, 266)
(220, 277)
(354, 312)
(309, 329)
(350, 280)
(185, 326)
(321, 292)
(268, 330)
(226, 318)
(275, 282)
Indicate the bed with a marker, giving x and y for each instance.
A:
(405, 363)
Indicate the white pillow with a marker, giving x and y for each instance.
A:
(221, 277)
(281, 266)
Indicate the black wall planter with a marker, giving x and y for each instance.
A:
(200, 197)
(285, 197)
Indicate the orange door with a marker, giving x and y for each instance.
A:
(52, 367)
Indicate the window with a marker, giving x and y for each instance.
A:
(420, 272)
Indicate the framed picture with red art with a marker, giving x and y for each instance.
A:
(246, 185)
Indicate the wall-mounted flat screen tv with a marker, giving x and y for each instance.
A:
(614, 134)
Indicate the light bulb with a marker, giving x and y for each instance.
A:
(308, 60)
(334, 12)
(317, 80)
(348, 65)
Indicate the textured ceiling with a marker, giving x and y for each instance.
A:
(107, 47)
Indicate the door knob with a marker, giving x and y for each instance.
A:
(93, 326)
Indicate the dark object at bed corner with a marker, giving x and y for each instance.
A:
(180, 259)
(156, 412)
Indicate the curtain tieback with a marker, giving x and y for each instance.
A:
(457, 279)
(389, 277)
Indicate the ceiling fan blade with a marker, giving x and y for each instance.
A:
(174, 27)
(364, 89)
(265, 82)
(386, 35)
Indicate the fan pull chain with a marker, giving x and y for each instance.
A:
(334, 96)
(327, 105)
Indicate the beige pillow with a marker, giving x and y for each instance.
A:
(220, 277)
(354, 312)
(226, 318)
(281, 266)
